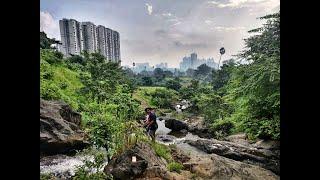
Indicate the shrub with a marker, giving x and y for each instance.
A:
(46, 176)
(175, 166)
(173, 84)
(162, 98)
(222, 128)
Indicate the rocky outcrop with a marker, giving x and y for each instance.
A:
(240, 138)
(262, 157)
(197, 126)
(147, 166)
(175, 125)
(217, 167)
(60, 128)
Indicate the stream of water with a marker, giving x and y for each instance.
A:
(167, 136)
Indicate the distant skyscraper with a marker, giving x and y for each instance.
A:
(77, 37)
(89, 37)
(70, 36)
(116, 46)
(193, 60)
(102, 41)
(109, 40)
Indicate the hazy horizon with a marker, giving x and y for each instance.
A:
(165, 31)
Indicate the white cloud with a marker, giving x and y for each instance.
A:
(223, 28)
(167, 14)
(245, 3)
(177, 23)
(49, 25)
(149, 8)
(208, 22)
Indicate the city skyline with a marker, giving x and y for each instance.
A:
(165, 31)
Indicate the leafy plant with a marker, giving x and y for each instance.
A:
(162, 151)
(222, 128)
(46, 176)
(175, 166)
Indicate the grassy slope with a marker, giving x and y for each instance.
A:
(142, 94)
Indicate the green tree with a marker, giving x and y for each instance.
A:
(221, 77)
(174, 84)
(45, 42)
(158, 74)
(256, 86)
(147, 81)
(168, 73)
(102, 77)
(202, 71)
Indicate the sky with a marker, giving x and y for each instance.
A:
(165, 31)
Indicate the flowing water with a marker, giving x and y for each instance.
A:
(167, 136)
(63, 166)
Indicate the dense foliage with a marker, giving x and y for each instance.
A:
(95, 87)
(257, 85)
(248, 94)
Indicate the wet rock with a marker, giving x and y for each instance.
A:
(175, 125)
(60, 130)
(165, 138)
(267, 144)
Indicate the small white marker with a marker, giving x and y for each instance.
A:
(134, 159)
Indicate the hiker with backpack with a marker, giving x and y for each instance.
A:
(151, 123)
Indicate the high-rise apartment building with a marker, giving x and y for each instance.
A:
(78, 37)
(89, 37)
(70, 36)
(116, 45)
(102, 41)
(110, 43)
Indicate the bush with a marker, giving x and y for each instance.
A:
(162, 98)
(222, 128)
(175, 166)
(213, 106)
(46, 177)
(173, 84)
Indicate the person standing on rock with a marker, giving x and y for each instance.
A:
(151, 123)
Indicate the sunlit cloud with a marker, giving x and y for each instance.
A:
(149, 8)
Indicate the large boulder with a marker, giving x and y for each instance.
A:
(148, 165)
(60, 129)
(197, 126)
(213, 166)
(262, 157)
(175, 125)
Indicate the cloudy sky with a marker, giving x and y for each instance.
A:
(157, 31)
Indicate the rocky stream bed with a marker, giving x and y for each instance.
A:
(202, 156)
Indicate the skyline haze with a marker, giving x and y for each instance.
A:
(165, 31)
